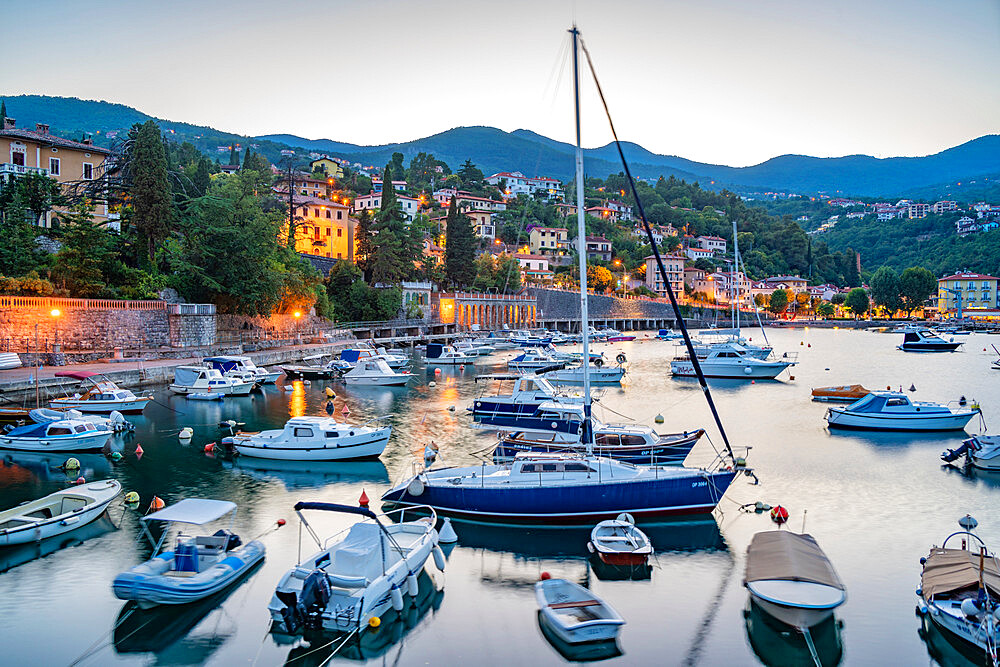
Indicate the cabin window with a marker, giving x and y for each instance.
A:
(606, 440)
(80, 428)
(896, 401)
(303, 433)
(123, 395)
(633, 440)
(332, 434)
(549, 467)
(59, 430)
(577, 467)
(528, 385)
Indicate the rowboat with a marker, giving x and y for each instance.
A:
(575, 614)
(844, 393)
(57, 513)
(619, 542)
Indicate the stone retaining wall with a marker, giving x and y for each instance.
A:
(560, 305)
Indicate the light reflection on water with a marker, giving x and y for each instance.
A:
(875, 502)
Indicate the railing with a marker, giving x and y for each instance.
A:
(48, 302)
(10, 168)
(490, 296)
(191, 308)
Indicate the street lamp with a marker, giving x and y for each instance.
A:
(55, 313)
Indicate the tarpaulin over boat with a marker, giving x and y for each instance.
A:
(787, 556)
(948, 570)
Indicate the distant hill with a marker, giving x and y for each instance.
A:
(523, 150)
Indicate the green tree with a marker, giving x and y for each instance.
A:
(838, 299)
(234, 157)
(365, 243)
(392, 260)
(3, 112)
(857, 301)
(257, 162)
(246, 157)
(201, 178)
(885, 290)
(459, 247)
(916, 285)
(778, 301)
(23, 202)
(85, 251)
(825, 309)
(470, 175)
(150, 196)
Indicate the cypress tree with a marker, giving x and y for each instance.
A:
(150, 194)
(388, 262)
(234, 157)
(246, 157)
(460, 248)
(201, 177)
(3, 112)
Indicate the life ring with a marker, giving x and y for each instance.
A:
(621, 358)
(598, 362)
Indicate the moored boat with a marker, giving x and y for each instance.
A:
(191, 379)
(981, 451)
(311, 368)
(534, 359)
(574, 375)
(314, 439)
(101, 395)
(619, 542)
(729, 360)
(446, 355)
(894, 411)
(198, 566)
(845, 393)
(375, 372)
(575, 614)
(57, 513)
(61, 435)
(925, 340)
(792, 579)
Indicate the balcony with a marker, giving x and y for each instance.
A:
(20, 169)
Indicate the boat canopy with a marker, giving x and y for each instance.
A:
(186, 375)
(786, 556)
(30, 430)
(876, 401)
(76, 375)
(223, 364)
(949, 570)
(193, 510)
(350, 356)
(434, 350)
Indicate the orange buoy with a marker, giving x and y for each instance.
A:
(138, 450)
(363, 500)
(157, 503)
(779, 514)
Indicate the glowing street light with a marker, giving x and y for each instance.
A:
(297, 314)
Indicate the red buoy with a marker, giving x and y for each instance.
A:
(80, 480)
(280, 522)
(363, 500)
(779, 514)
(545, 575)
(209, 447)
(138, 449)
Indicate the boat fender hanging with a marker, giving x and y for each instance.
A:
(432, 383)
(970, 608)
(397, 598)
(748, 370)
(439, 559)
(132, 498)
(621, 359)
(415, 487)
(72, 464)
(374, 622)
(598, 363)
(412, 585)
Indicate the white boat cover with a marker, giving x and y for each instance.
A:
(193, 510)
(786, 556)
(948, 570)
(360, 554)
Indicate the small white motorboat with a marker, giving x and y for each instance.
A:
(960, 590)
(438, 354)
(575, 614)
(60, 435)
(894, 411)
(981, 451)
(791, 578)
(198, 566)
(350, 358)
(101, 395)
(534, 359)
(115, 422)
(729, 360)
(246, 367)
(574, 375)
(619, 542)
(474, 347)
(376, 372)
(311, 368)
(191, 379)
(357, 574)
(57, 513)
(316, 439)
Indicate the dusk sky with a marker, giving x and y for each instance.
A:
(725, 81)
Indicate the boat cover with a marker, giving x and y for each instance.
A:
(434, 350)
(193, 510)
(361, 553)
(223, 364)
(786, 556)
(76, 375)
(30, 430)
(185, 376)
(350, 356)
(948, 570)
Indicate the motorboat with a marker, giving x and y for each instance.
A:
(357, 574)
(844, 393)
(475, 346)
(667, 334)
(199, 565)
(981, 451)
(528, 339)
(607, 333)
(621, 338)
(894, 411)
(100, 395)
(311, 368)
(242, 367)
(925, 340)
(445, 355)
(352, 357)
(316, 439)
(960, 590)
(57, 513)
(533, 359)
(791, 578)
(574, 375)
(619, 542)
(729, 360)
(115, 422)
(191, 379)
(596, 358)
(61, 435)
(376, 372)
(562, 488)
(501, 340)
(630, 443)
(703, 347)
(516, 401)
(575, 614)
(775, 646)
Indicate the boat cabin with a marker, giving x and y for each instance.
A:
(524, 387)
(886, 402)
(196, 376)
(53, 429)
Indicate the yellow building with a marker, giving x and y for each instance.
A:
(548, 241)
(325, 228)
(979, 292)
(329, 167)
(38, 151)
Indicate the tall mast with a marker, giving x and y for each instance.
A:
(581, 240)
(736, 280)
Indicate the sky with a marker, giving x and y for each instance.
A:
(722, 81)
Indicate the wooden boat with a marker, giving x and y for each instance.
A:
(57, 513)
(575, 614)
(844, 393)
(199, 566)
(14, 415)
(960, 590)
(101, 395)
(791, 578)
(619, 542)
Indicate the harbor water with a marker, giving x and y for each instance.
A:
(875, 503)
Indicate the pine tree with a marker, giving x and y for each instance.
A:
(150, 194)
(86, 250)
(234, 157)
(460, 248)
(365, 245)
(246, 157)
(202, 177)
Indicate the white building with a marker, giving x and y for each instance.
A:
(716, 244)
(373, 201)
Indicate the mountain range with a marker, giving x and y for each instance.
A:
(494, 150)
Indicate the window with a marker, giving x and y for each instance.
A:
(340, 215)
(59, 430)
(88, 171)
(606, 440)
(328, 214)
(633, 440)
(54, 166)
(340, 232)
(17, 157)
(80, 428)
(332, 434)
(327, 231)
(303, 433)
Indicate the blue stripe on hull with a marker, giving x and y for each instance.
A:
(528, 423)
(666, 455)
(574, 504)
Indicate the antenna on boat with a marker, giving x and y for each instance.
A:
(581, 241)
(656, 252)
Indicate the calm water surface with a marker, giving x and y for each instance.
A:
(875, 503)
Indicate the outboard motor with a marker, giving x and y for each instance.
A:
(291, 617)
(233, 540)
(314, 598)
(952, 455)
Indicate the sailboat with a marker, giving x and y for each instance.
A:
(563, 487)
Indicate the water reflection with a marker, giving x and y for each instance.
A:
(900, 440)
(310, 474)
(947, 650)
(48, 466)
(975, 477)
(11, 557)
(778, 644)
(320, 648)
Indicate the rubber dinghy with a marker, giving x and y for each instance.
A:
(198, 566)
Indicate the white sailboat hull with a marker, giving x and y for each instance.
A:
(133, 406)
